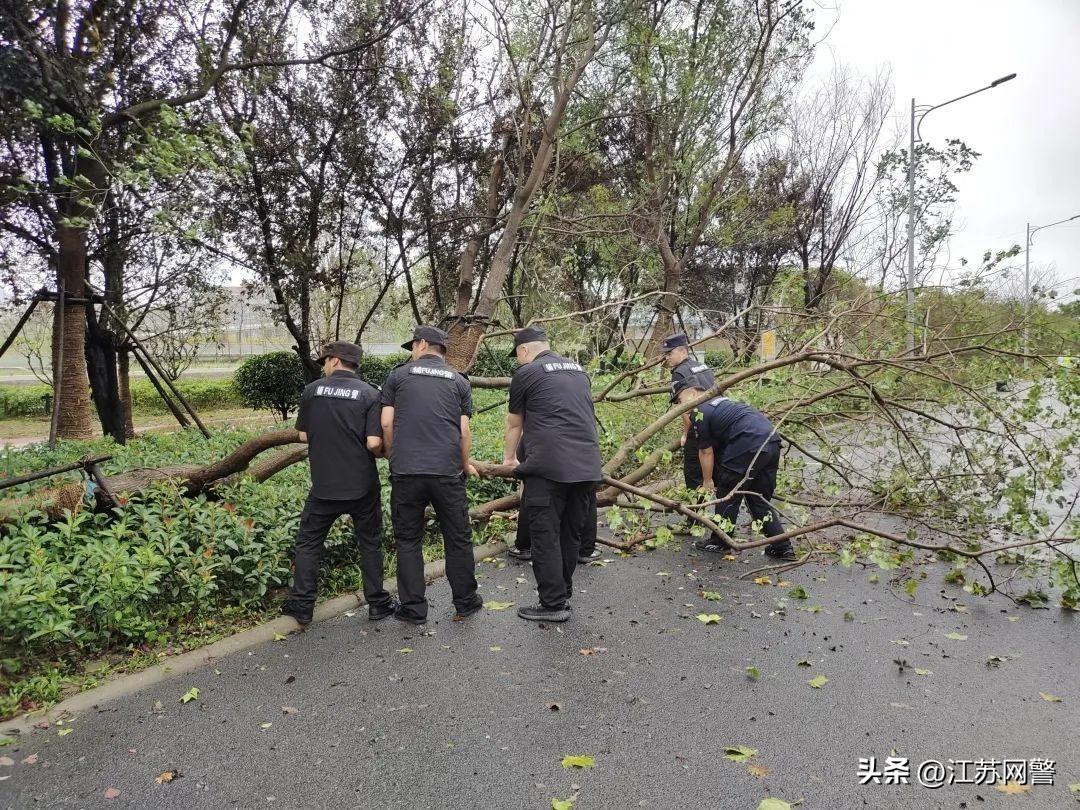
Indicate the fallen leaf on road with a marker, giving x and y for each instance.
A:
(6, 762)
(804, 663)
(818, 682)
(111, 793)
(763, 581)
(290, 679)
(498, 605)
(405, 650)
(495, 649)
(1051, 698)
(279, 636)
(6, 741)
(923, 671)
(41, 725)
(578, 761)
(265, 725)
(289, 710)
(562, 804)
(587, 651)
(995, 661)
(758, 771)
(190, 695)
(168, 776)
(30, 760)
(783, 583)
(711, 596)
(956, 636)
(773, 804)
(753, 673)
(739, 753)
(663, 573)
(798, 592)
(555, 707)
(1013, 788)
(64, 732)
(709, 618)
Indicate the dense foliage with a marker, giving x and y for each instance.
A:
(273, 381)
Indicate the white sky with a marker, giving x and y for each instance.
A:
(1027, 130)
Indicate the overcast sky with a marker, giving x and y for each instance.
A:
(1027, 130)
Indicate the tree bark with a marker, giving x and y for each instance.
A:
(75, 421)
(123, 367)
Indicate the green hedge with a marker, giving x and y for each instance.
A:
(25, 401)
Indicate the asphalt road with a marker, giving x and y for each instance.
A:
(383, 716)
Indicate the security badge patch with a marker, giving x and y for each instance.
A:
(698, 369)
(550, 367)
(428, 371)
(337, 393)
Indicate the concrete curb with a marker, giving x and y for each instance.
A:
(194, 659)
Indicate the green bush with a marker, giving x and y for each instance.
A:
(21, 402)
(375, 369)
(714, 358)
(273, 381)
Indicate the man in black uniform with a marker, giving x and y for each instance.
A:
(737, 442)
(686, 369)
(551, 410)
(587, 550)
(339, 419)
(425, 422)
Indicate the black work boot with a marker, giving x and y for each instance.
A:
(301, 614)
(781, 551)
(469, 611)
(587, 558)
(522, 554)
(377, 613)
(539, 613)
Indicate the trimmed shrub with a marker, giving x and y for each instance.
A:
(273, 381)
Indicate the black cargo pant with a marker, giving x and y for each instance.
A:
(586, 538)
(556, 511)
(761, 480)
(691, 465)
(409, 498)
(315, 521)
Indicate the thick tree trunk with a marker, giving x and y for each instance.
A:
(123, 367)
(101, 365)
(75, 420)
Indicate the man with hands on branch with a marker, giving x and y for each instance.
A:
(339, 419)
(551, 411)
(686, 369)
(739, 451)
(425, 424)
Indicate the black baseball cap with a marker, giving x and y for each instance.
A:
(674, 342)
(530, 334)
(680, 386)
(342, 350)
(432, 334)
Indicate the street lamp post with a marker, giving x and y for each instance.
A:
(1027, 273)
(918, 113)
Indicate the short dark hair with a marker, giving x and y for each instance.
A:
(348, 365)
(438, 347)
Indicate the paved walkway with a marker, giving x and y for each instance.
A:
(461, 716)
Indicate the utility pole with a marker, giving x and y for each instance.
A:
(918, 113)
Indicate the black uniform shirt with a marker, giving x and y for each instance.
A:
(692, 372)
(338, 413)
(429, 398)
(734, 429)
(554, 397)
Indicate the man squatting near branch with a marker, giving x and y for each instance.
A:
(739, 451)
(339, 419)
(551, 411)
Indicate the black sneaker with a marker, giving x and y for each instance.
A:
(784, 552)
(404, 617)
(713, 546)
(539, 613)
(585, 559)
(376, 613)
(302, 615)
(464, 614)
(522, 554)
